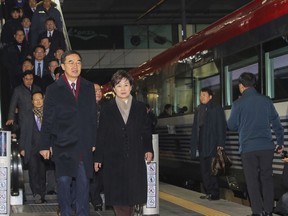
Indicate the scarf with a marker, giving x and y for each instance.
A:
(124, 107)
(39, 113)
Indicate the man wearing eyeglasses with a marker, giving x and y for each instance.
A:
(68, 134)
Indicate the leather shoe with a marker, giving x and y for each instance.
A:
(51, 192)
(98, 207)
(207, 196)
(212, 197)
(43, 200)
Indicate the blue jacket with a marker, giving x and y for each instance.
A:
(252, 115)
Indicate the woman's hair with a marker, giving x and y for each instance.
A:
(119, 75)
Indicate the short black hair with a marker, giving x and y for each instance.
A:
(37, 92)
(44, 37)
(27, 72)
(50, 19)
(15, 9)
(247, 79)
(58, 70)
(39, 46)
(208, 90)
(67, 53)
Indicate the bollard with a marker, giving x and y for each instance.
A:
(5, 148)
(152, 205)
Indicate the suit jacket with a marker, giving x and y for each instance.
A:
(69, 126)
(37, 79)
(57, 40)
(21, 98)
(13, 59)
(46, 81)
(121, 148)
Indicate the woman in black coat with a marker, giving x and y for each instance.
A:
(124, 142)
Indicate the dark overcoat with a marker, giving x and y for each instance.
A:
(214, 130)
(121, 149)
(69, 126)
(26, 138)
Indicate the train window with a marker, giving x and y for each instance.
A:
(171, 85)
(276, 72)
(232, 73)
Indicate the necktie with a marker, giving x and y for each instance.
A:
(39, 70)
(38, 122)
(73, 88)
(26, 34)
(49, 34)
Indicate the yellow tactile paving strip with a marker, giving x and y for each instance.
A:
(191, 205)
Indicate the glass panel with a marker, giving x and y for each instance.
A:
(171, 85)
(279, 74)
(253, 68)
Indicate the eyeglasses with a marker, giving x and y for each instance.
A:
(72, 63)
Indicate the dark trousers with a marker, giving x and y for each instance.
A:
(210, 182)
(96, 187)
(37, 174)
(66, 191)
(258, 172)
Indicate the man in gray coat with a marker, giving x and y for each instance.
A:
(21, 98)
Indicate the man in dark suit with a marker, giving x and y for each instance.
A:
(69, 129)
(40, 65)
(55, 36)
(30, 8)
(10, 26)
(14, 55)
(29, 148)
(48, 79)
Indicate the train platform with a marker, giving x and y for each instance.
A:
(173, 201)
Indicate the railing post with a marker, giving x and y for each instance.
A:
(5, 163)
(152, 205)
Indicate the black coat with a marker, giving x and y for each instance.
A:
(27, 131)
(214, 131)
(69, 126)
(121, 148)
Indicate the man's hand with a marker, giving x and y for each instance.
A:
(45, 154)
(220, 148)
(97, 166)
(10, 122)
(279, 149)
(22, 153)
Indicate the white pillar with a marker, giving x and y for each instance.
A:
(5, 151)
(152, 205)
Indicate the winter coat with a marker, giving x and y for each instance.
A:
(121, 148)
